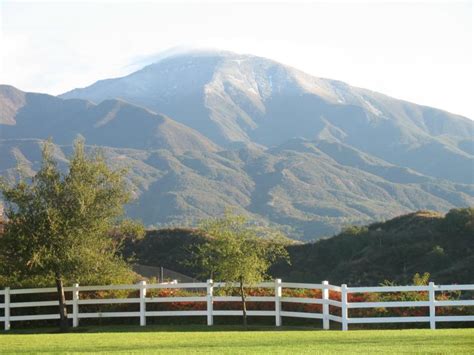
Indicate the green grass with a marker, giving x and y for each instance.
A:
(231, 340)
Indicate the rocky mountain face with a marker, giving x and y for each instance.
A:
(240, 98)
(205, 130)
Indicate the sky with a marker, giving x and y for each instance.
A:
(420, 51)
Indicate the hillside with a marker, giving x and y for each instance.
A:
(297, 186)
(113, 123)
(203, 131)
(230, 98)
(393, 250)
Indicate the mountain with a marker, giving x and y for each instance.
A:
(203, 131)
(112, 123)
(297, 187)
(241, 98)
(419, 242)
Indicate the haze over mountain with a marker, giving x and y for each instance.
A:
(112, 123)
(241, 98)
(201, 131)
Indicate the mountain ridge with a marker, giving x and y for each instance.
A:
(63, 120)
(204, 133)
(235, 98)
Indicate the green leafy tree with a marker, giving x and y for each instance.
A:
(59, 224)
(460, 221)
(237, 252)
(421, 280)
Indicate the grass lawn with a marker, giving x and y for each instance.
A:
(231, 340)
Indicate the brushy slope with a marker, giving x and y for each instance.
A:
(393, 250)
(309, 189)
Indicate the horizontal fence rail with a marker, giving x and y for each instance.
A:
(143, 296)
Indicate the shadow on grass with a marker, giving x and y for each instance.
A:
(156, 328)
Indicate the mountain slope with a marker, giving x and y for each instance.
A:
(297, 186)
(394, 250)
(240, 98)
(111, 123)
(203, 131)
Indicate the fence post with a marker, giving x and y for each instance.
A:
(344, 312)
(278, 302)
(75, 305)
(7, 308)
(210, 306)
(432, 300)
(325, 296)
(142, 303)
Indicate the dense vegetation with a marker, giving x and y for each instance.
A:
(393, 250)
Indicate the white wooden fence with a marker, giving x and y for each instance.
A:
(209, 299)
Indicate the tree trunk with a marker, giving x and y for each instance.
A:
(63, 321)
(244, 305)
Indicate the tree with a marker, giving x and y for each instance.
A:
(59, 223)
(459, 221)
(238, 252)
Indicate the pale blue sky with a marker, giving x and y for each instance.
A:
(418, 51)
